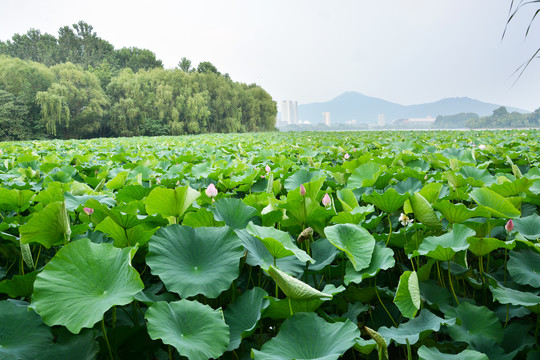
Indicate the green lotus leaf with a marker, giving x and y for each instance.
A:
(483, 246)
(49, 227)
(73, 347)
(315, 179)
(425, 353)
(82, 281)
(474, 323)
(476, 177)
(355, 241)
(243, 315)
(347, 199)
(506, 295)
(444, 247)
(382, 347)
(201, 218)
(294, 288)
(381, 259)
(528, 226)
(131, 193)
(323, 252)
(307, 336)
(511, 188)
(423, 212)
(23, 335)
(118, 181)
(195, 261)
(414, 329)
(170, 202)
(195, 330)
(278, 243)
(458, 213)
(389, 201)
(123, 237)
(74, 202)
(15, 199)
(234, 212)
(524, 266)
(258, 255)
(407, 297)
(365, 346)
(497, 205)
(54, 192)
(285, 308)
(365, 175)
(19, 285)
(431, 191)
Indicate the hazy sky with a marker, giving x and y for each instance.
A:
(405, 51)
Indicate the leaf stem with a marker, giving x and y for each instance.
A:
(451, 285)
(390, 230)
(384, 307)
(105, 337)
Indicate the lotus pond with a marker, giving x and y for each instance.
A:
(368, 245)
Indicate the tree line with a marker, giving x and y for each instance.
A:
(79, 86)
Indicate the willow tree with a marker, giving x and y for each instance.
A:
(75, 103)
(54, 109)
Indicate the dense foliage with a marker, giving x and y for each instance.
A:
(379, 245)
(79, 86)
(501, 118)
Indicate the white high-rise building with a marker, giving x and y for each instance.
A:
(289, 112)
(326, 118)
(381, 120)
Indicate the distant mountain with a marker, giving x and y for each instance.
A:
(365, 109)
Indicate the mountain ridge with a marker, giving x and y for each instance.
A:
(352, 105)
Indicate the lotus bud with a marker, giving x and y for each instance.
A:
(158, 181)
(1, 152)
(267, 169)
(425, 177)
(302, 190)
(346, 156)
(509, 225)
(88, 211)
(211, 191)
(326, 201)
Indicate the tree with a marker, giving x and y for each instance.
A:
(83, 46)
(207, 67)
(13, 114)
(74, 104)
(185, 65)
(136, 59)
(33, 46)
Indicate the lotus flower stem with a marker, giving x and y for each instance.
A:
(290, 307)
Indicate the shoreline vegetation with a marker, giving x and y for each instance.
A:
(78, 86)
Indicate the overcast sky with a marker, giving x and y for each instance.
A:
(405, 51)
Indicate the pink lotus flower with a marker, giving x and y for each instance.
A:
(267, 169)
(482, 147)
(509, 225)
(326, 201)
(302, 190)
(346, 156)
(211, 191)
(88, 211)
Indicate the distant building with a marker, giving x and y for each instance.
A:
(381, 120)
(326, 118)
(350, 122)
(426, 122)
(289, 112)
